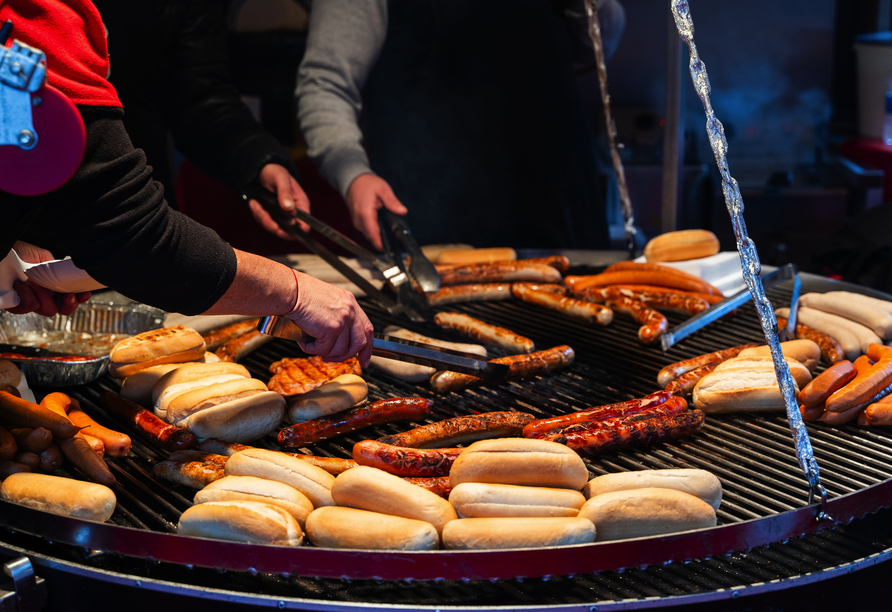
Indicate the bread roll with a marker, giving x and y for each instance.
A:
(748, 385)
(241, 521)
(338, 527)
(698, 483)
(477, 499)
(337, 395)
(251, 488)
(312, 481)
(640, 513)
(138, 387)
(681, 245)
(9, 374)
(186, 404)
(806, 352)
(520, 461)
(191, 372)
(516, 532)
(369, 488)
(177, 344)
(240, 420)
(174, 391)
(84, 500)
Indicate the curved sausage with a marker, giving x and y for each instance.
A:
(811, 413)
(116, 443)
(671, 407)
(405, 461)
(236, 348)
(476, 292)
(674, 370)
(376, 413)
(520, 366)
(504, 271)
(542, 427)
(462, 430)
(684, 384)
(827, 383)
(32, 460)
(830, 348)
(634, 266)
(877, 413)
(653, 324)
(580, 309)
(862, 387)
(872, 317)
(642, 277)
(484, 332)
(215, 338)
(147, 425)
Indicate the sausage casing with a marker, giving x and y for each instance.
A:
(484, 332)
(403, 461)
(827, 383)
(542, 427)
(462, 430)
(589, 312)
(674, 370)
(520, 366)
(147, 425)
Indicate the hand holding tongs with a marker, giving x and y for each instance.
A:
(393, 271)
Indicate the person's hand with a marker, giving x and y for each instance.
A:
(333, 319)
(366, 194)
(33, 297)
(277, 179)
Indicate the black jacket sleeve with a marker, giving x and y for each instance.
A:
(111, 218)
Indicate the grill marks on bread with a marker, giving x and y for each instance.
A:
(293, 376)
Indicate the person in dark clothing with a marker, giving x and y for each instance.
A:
(111, 217)
(170, 66)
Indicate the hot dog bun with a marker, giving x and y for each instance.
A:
(748, 385)
(251, 488)
(337, 395)
(84, 500)
(806, 352)
(176, 344)
(516, 532)
(640, 513)
(191, 372)
(174, 391)
(369, 488)
(240, 420)
(698, 483)
(681, 245)
(138, 387)
(477, 499)
(241, 521)
(520, 461)
(312, 481)
(338, 527)
(186, 404)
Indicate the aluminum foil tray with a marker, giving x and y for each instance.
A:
(92, 330)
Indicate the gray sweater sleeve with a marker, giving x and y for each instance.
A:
(344, 41)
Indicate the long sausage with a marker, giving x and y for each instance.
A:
(462, 430)
(476, 292)
(402, 461)
(332, 465)
(666, 294)
(78, 451)
(33, 440)
(658, 299)
(641, 277)
(215, 338)
(376, 413)
(116, 443)
(148, 426)
(235, 349)
(505, 271)
(684, 384)
(674, 370)
(520, 366)
(628, 434)
(542, 427)
(579, 309)
(671, 407)
(831, 350)
(826, 384)
(653, 324)
(627, 266)
(862, 388)
(484, 332)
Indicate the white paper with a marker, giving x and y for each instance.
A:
(59, 275)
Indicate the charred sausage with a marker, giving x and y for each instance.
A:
(147, 425)
(403, 461)
(520, 366)
(579, 309)
(462, 430)
(542, 427)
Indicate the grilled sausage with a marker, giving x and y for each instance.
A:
(580, 309)
(376, 413)
(8, 468)
(217, 337)
(332, 465)
(862, 387)
(462, 430)
(78, 451)
(877, 413)
(634, 266)
(811, 413)
(504, 271)
(32, 460)
(240, 346)
(672, 406)
(628, 433)
(520, 366)
(831, 350)
(437, 484)
(147, 425)
(874, 318)
(542, 427)
(484, 332)
(195, 474)
(653, 324)
(827, 383)
(219, 447)
(657, 298)
(684, 384)
(674, 370)
(116, 443)
(402, 461)
(476, 292)
(642, 277)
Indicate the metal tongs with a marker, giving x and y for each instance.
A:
(409, 301)
(391, 347)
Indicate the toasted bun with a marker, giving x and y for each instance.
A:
(750, 386)
(640, 513)
(337, 395)
(369, 488)
(241, 521)
(806, 352)
(517, 532)
(338, 527)
(84, 500)
(520, 461)
(251, 488)
(681, 245)
(799, 372)
(698, 483)
(477, 499)
(138, 387)
(240, 420)
(9, 374)
(207, 396)
(312, 481)
(174, 391)
(176, 344)
(191, 372)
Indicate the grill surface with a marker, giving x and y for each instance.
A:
(752, 455)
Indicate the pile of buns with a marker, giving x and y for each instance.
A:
(506, 493)
(748, 382)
